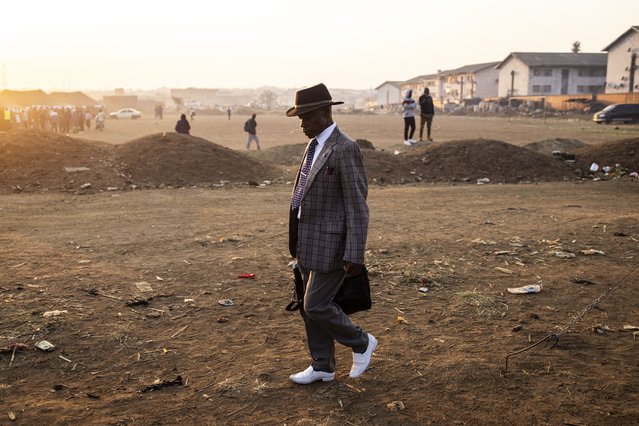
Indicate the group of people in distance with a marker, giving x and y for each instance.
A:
(427, 112)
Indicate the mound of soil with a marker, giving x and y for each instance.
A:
(34, 160)
(498, 161)
(624, 152)
(547, 146)
(182, 160)
(288, 155)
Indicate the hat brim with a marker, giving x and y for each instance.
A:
(295, 111)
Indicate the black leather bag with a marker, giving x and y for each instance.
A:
(353, 296)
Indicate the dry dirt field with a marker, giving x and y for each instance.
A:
(384, 131)
(142, 338)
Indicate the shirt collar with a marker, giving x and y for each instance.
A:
(322, 137)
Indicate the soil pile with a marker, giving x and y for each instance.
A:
(500, 162)
(33, 160)
(182, 160)
(547, 146)
(624, 152)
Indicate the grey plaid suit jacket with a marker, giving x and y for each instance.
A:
(333, 224)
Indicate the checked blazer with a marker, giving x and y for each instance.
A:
(333, 223)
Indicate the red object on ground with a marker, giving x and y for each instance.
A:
(246, 276)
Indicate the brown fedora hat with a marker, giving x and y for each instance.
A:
(310, 99)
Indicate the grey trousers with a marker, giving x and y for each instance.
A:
(324, 320)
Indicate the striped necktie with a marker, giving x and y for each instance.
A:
(304, 172)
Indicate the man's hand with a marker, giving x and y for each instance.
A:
(352, 269)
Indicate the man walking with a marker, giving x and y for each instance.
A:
(426, 115)
(250, 126)
(327, 234)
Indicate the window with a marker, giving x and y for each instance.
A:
(591, 72)
(590, 89)
(542, 72)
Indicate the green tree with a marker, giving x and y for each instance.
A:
(576, 47)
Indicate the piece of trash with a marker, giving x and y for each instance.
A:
(634, 174)
(423, 289)
(251, 276)
(631, 327)
(11, 415)
(85, 185)
(395, 406)
(164, 383)
(401, 319)
(43, 345)
(112, 188)
(144, 286)
(563, 254)
(189, 300)
(83, 262)
(222, 319)
(14, 347)
(504, 270)
(527, 289)
(54, 313)
(76, 169)
(517, 328)
(159, 278)
(64, 358)
(601, 329)
(225, 302)
(582, 281)
(594, 167)
(590, 252)
(396, 152)
(480, 241)
(138, 301)
(482, 181)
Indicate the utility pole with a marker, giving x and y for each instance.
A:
(633, 66)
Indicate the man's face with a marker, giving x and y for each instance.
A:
(314, 122)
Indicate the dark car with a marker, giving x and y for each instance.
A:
(625, 113)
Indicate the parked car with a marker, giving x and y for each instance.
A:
(126, 113)
(625, 113)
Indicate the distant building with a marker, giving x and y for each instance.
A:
(529, 74)
(622, 73)
(388, 93)
(470, 81)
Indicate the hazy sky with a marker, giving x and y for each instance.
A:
(140, 44)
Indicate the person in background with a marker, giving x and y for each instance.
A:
(99, 120)
(182, 125)
(408, 107)
(427, 112)
(228, 111)
(250, 127)
(328, 225)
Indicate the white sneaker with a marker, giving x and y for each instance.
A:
(309, 376)
(407, 142)
(412, 141)
(361, 361)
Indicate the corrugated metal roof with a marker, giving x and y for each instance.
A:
(468, 69)
(421, 77)
(559, 59)
(634, 28)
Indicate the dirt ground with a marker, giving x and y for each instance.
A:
(384, 131)
(143, 339)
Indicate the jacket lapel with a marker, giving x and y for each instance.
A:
(326, 151)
